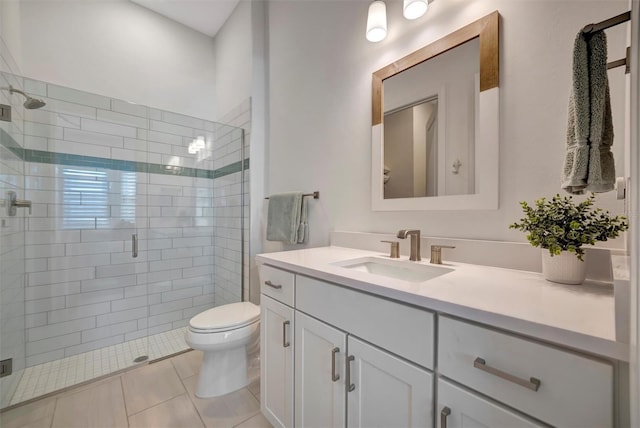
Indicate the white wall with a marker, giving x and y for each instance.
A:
(233, 60)
(320, 107)
(121, 50)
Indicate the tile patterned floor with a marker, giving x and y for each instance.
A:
(158, 395)
(48, 377)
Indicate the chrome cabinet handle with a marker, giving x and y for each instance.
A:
(443, 416)
(285, 342)
(350, 385)
(334, 376)
(272, 285)
(532, 384)
(134, 245)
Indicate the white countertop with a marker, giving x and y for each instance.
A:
(574, 316)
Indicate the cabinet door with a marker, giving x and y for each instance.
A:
(276, 368)
(386, 391)
(320, 388)
(460, 408)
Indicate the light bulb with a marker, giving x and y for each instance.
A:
(377, 21)
(413, 9)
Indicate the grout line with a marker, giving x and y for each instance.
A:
(189, 396)
(156, 405)
(245, 420)
(124, 399)
(53, 415)
(169, 399)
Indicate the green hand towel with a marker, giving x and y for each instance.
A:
(588, 163)
(602, 173)
(286, 218)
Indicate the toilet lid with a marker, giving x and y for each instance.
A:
(226, 317)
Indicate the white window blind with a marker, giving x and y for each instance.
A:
(88, 199)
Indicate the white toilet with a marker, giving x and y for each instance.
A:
(224, 334)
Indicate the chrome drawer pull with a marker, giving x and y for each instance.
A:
(532, 384)
(350, 385)
(272, 285)
(285, 342)
(334, 376)
(443, 416)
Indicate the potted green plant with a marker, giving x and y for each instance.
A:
(562, 228)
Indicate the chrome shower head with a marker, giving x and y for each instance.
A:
(33, 103)
(30, 103)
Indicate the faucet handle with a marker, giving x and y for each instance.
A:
(395, 249)
(436, 253)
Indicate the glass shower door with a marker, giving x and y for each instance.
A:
(12, 227)
(86, 302)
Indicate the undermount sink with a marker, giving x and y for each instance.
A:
(397, 269)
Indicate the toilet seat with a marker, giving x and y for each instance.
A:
(224, 318)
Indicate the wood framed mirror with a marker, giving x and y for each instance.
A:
(435, 124)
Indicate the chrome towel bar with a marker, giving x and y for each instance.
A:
(316, 195)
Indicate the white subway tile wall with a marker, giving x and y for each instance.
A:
(84, 289)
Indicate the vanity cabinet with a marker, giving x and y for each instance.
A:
(342, 374)
(362, 360)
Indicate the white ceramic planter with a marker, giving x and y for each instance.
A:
(565, 268)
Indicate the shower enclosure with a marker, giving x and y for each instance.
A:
(135, 224)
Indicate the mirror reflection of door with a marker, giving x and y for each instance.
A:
(429, 126)
(411, 129)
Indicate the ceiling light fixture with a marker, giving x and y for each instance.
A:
(414, 9)
(377, 21)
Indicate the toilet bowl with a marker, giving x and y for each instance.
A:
(224, 334)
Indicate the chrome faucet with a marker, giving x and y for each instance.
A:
(415, 243)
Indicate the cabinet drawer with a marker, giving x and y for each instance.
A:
(402, 329)
(277, 283)
(573, 391)
(460, 408)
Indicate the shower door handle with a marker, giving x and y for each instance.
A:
(134, 245)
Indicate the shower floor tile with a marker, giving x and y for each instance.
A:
(52, 376)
